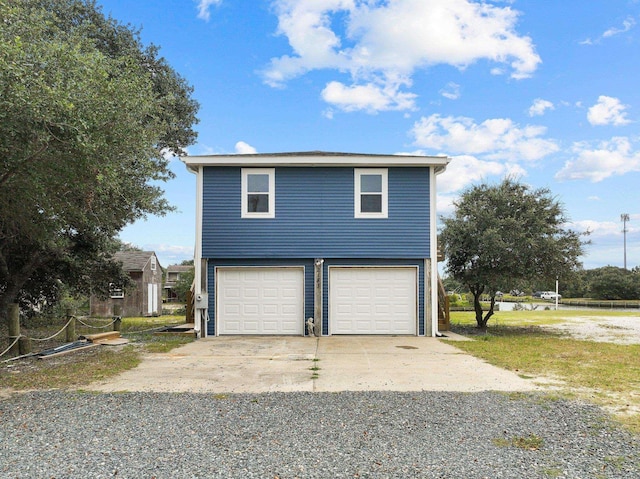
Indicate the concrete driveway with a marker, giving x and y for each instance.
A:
(241, 364)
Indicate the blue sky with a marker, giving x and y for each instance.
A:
(544, 91)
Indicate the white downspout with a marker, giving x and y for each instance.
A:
(433, 234)
(200, 313)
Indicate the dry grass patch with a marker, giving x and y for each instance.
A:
(605, 373)
(81, 368)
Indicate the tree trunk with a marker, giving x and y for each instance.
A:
(482, 319)
(477, 291)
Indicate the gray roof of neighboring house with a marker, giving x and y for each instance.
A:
(179, 268)
(134, 260)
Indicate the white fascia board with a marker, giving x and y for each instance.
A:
(315, 160)
(433, 242)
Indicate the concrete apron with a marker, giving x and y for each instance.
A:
(250, 364)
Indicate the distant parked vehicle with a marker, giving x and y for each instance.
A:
(550, 295)
(537, 294)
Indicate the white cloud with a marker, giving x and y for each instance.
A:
(451, 91)
(540, 106)
(203, 8)
(243, 148)
(497, 138)
(627, 24)
(368, 97)
(381, 44)
(608, 111)
(466, 170)
(609, 158)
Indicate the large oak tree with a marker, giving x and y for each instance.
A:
(506, 233)
(88, 117)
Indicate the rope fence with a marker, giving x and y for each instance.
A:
(54, 335)
(10, 346)
(98, 327)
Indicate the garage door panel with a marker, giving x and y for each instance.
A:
(260, 300)
(374, 300)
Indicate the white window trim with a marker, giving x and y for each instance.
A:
(357, 173)
(153, 263)
(272, 192)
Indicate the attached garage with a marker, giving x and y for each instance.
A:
(373, 300)
(260, 300)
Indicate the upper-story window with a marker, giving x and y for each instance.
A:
(153, 263)
(258, 193)
(371, 193)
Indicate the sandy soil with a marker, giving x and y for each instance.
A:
(620, 329)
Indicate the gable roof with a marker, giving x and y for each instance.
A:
(315, 158)
(179, 268)
(134, 260)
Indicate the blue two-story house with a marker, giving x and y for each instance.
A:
(348, 240)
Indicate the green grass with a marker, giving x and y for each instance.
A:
(81, 368)
(606, 373)
(531, 443)
(100, 364)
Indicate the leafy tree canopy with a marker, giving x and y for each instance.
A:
(88, 116)
(502, 234)
(611, 282)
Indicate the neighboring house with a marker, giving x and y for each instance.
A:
(347, 239)
(173, 276)
(145, 298)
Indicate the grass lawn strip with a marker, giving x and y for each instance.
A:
(85, 367)
(605, 373)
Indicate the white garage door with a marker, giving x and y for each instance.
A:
(376, 300)
(260, 300)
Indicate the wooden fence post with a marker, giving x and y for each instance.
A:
(117, 317)
(24, 345)
(71, 327)
(14, 328)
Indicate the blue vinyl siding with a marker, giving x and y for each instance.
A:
(211, 286)
(314, 216)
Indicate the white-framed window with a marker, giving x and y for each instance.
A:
(153, 263)
(371, 195)
(115, 291)
(258, 193)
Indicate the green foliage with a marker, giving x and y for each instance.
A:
(87, 115)
(504, 235)
(184, 284)
(611, 282)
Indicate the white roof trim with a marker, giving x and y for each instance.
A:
(314, 159)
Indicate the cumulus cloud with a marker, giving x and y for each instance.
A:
(204, 6)
(540, 106)
(381, 44)
(608, 111)
(465, 170)
(369, 97)
(614, 157)
(497, 138)
(243, 148)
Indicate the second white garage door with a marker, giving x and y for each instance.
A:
(376, 300)
(260, 300)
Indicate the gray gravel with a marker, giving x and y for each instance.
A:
(308, 435)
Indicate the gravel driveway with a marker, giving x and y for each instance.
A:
(310, 435)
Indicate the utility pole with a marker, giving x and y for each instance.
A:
(624, 217)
